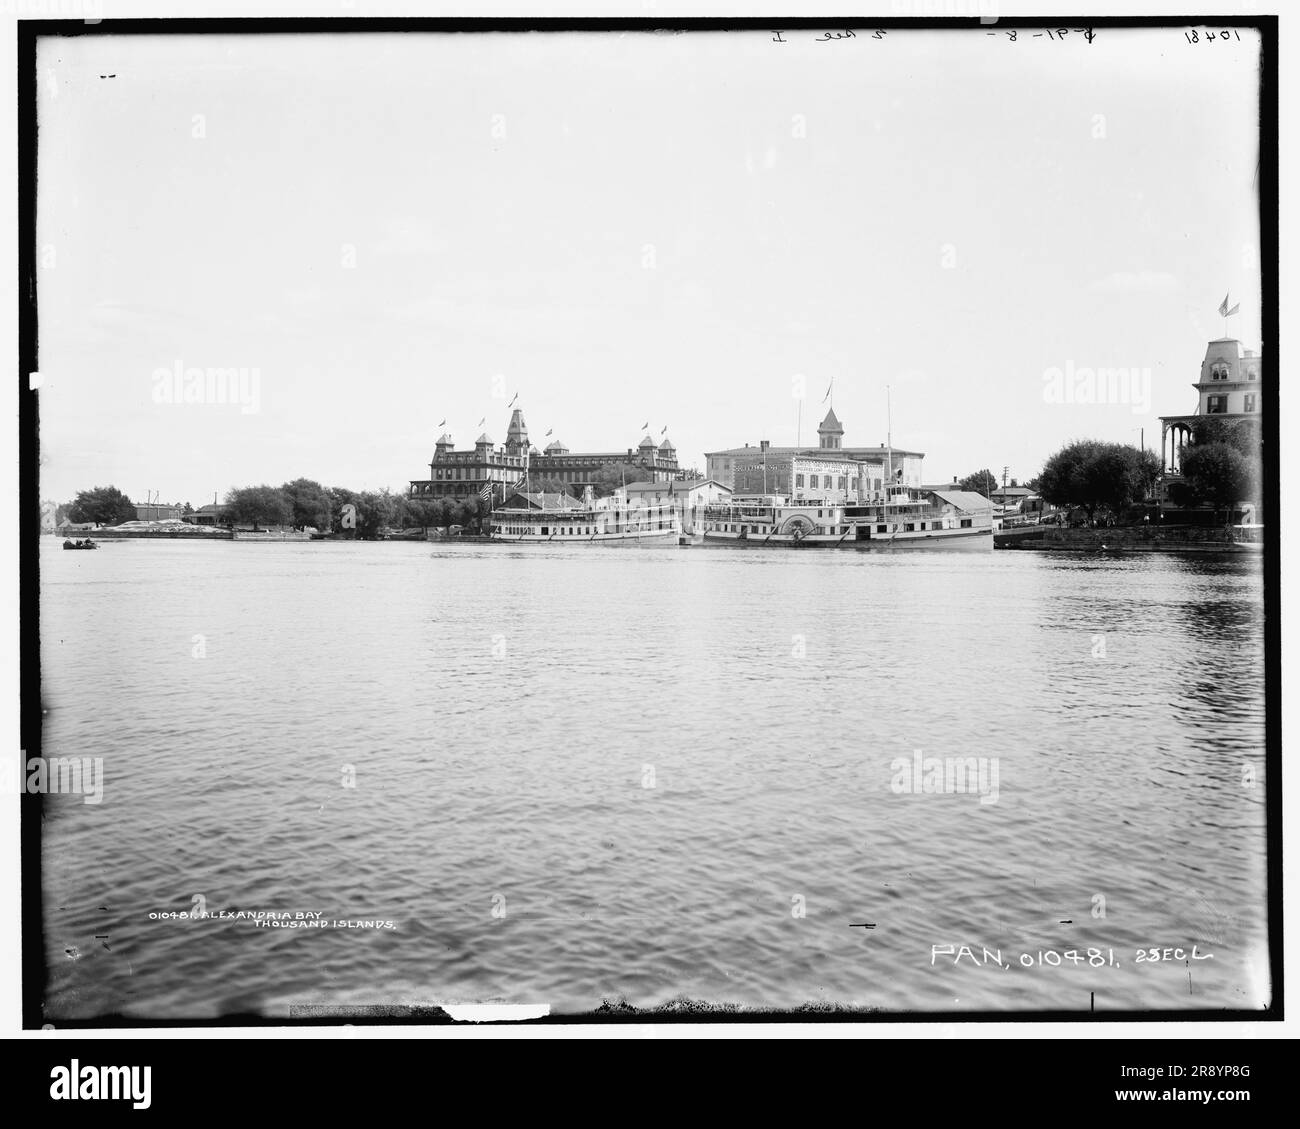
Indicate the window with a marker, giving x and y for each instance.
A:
(1252, 373)
(1249, 402)
(798, 479)
(844, 482)
(1215, 405)
(909, 528)
(1219, 372)
(965, 523)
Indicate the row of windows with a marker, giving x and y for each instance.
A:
(1223, 371)
(547, 531)
(827, 481)
(476, 474)
(1217, 405)
(908, 527)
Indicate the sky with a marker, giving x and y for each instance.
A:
(386, 231)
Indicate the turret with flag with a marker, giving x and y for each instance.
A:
(1225, 312)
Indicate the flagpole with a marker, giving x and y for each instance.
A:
(889, 442)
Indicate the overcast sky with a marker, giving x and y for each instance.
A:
(393, 230)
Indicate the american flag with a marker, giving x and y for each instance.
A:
(486, 493)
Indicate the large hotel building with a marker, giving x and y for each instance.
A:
(1230, 385)
(490, 471)
(830, 470)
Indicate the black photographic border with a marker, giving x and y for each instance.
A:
(32, 929)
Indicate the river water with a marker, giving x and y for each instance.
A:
(568, 776)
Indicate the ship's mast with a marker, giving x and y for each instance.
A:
(889, 443)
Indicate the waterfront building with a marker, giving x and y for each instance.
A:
(1010, 496)
(814, 472)
(491, 472)
(543, 502)
(1230, 385)
(687, 496)
(157, 511)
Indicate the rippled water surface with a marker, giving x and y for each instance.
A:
(584, 774)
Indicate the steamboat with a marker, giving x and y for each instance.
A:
(538, 519)
(899, 517)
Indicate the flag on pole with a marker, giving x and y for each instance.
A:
(482, 421)
(1223, 308)
(664, 431)
(548, 434)
(645, 425)
(512, 402)
(442, 423)
(830, 386)
(486, 493)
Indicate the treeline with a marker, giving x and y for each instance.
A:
(1094, 476)
(1220, 468)
(305, 504)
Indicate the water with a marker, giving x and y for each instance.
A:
(588, 775)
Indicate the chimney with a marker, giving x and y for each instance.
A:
(764, 444)
(954, 480)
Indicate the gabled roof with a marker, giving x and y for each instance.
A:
(963, 499)
(830, 423)
(676, 486)
(537, 500)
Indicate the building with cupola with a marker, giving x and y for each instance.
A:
(830, 470)
(1230, 385)
(489, 472)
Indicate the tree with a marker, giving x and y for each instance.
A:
(1243, 434)
(187, 510)
(981, 482)
(423, 512)
(550, 486)
(310, 503)
(376, 510)
(258, 505)
(1091, 474)
(104, 505)
(341, 498)
(1217, 473)
(610, 476)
